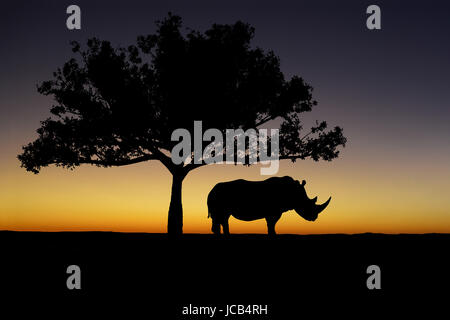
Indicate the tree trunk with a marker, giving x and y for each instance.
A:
(175, 221)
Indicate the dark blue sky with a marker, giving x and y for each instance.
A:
(389, 89)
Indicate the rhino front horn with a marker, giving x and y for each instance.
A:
(321, 207)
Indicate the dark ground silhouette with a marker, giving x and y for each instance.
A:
(154, 274)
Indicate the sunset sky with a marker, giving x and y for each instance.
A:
(389, 89)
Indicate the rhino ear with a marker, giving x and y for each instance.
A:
(303, 182)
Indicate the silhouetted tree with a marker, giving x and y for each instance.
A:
(119, 106)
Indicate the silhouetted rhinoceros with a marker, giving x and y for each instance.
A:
(252, 200)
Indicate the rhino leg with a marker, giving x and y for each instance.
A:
(215, 226)
(226, 229)
(271, 221)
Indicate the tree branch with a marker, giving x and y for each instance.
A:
(294, 157)
(191, 166)
(123, 162)
(266, 119)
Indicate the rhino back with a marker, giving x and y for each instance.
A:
(249, 195)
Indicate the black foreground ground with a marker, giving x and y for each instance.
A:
(155, 276)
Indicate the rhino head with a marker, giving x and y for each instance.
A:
(306, 207)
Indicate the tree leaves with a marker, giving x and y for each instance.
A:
(116, 106)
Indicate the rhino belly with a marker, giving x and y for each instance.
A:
(247, 215)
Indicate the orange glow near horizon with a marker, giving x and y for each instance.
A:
(136, 198)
